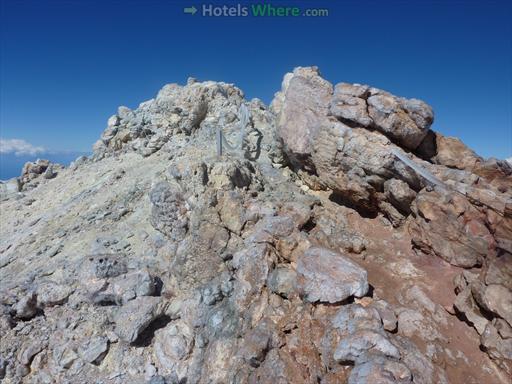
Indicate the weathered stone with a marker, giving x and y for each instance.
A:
(136, 315)
(389, 319)
(498, 348)
(499, 271)
(448, 226)
(399, 194)
(349, 103)
(26, 308)
(380, 370)
(405, 120)
(64, 356)
(496, 299)
(452, 153)
(412, 322)
(359, 345)
(127, 287)
(256, 345)
(94, 350)
(173, 345)
(50, 294)
(106, 265)
(282, 281)
(306, 98)
(465, 304)
(27, 353)
(231, 211)
(169, 213)
(327, 276)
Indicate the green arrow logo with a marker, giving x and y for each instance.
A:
(192, 10)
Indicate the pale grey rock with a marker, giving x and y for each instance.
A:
(32, 170)
(413, 322)
(271, 228)
(26, 308)
(175, 110)
(135, 316)
(423, 370)
(212, 294)
(231, 174)
(380, 370)
(333, 230)
(50, 172)
(50, 294)
(355, 163)
(232, 212)
(27, 353)
(328, 276)
(105, 265)
(353, 317)
(405, 121)
(64, 356)
(360, 345)
(504, 329)
(158, 379)
(282, 281)
(94, 350)
(128, 286)
(252, 267)
(463, 279)
(123, 288)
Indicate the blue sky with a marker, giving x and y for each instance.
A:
(67, 65)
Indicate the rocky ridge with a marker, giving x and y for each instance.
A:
(344, 241)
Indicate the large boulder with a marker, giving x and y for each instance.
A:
(328, 276)
(302, 107)
(343, 140)
(405, 121)
(454, 153)
(355, 164)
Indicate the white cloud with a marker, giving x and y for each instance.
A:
(19, 147)
(509, 160)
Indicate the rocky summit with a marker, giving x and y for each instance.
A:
(331, 237)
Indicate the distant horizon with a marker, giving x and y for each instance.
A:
(67, 66)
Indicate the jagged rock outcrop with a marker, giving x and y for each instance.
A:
(327, 245)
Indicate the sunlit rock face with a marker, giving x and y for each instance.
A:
(297, 249)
